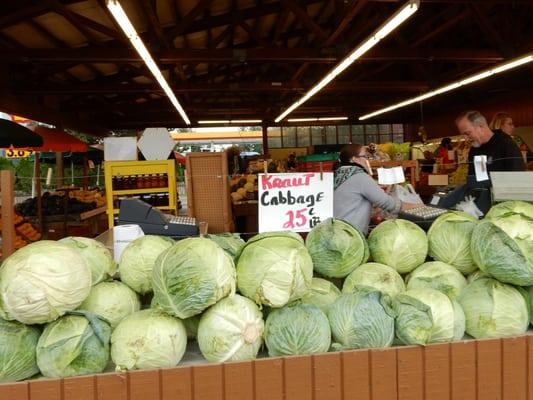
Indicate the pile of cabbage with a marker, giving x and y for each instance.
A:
(67, 309)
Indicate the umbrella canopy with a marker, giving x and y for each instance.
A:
(18, 136)
(59, 141)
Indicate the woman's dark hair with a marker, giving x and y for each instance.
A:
(446, 142)
(347, 152)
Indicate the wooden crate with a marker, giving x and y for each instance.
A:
(208, 197)
(466, 370)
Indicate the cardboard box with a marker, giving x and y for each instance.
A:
(472, 369)
(120, 149)
(438, 180)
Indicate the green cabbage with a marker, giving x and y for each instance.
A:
(96, 255)
(439, 276)
(231, 243)
(476, 275)
(231, 330)
(336, 247)
(426, 316)
(112, 301)
(449, 240)
(148, 339)
(374, 276)
(322, 294)
(192, 275)
(362, 320)
(493, 309)
(297, 329)
(138, 259)
(274, 268)
(17, 351)
(74, 345)
(42, 281)
(510, 207)
(503, 248)
(398, 243)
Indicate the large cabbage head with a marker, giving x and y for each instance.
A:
(192, 275)
(510, 207)
(42, 281)
(112, 301)
(138, 259)
(449, 240)
(17, 351)
(336, 247)
(493, 309)
(297, 329)
(362, 320)
(74, 345)
(97, 256)
(231, 330)
(503, 248)
(439, 276)
(148, 339)
(231, 243)
(398, 243)
(274, 268)
(428, 316)
(374, 276)
(323, 294)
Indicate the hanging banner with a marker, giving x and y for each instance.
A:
(294, 202)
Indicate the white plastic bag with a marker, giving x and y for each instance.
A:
(406, 194)
(468, 205)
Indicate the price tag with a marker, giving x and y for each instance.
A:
(15, 153)
(294, 202)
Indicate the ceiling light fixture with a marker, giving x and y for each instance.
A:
(127, 27)
(228, 121)
(392, 23)
(449, 87)
(317, 119)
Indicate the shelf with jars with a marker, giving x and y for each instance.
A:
(151, 181)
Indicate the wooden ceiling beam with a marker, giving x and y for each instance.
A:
(24, 13)
(305, 19)
(351, 11)
(155, 25)
(327, 55)
(117, 88)
(188, 20)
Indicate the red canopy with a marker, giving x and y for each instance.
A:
(180, 158)
(59, 141)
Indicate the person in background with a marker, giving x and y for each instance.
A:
(504, 123)
(443, 149)
(501, 152)
(355, 192)
(291, 162)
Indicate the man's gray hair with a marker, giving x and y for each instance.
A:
(475, 118)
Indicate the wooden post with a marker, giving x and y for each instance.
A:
(8, 213)
(265, 139)
(85, 179)
(60, 169)
(37, 175)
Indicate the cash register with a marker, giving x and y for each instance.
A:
(423, 216)
(154, 222)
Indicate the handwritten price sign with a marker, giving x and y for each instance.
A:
(294, 202)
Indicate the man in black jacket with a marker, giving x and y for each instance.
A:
(502, 155)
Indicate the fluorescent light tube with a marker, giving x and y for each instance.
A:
(451, 86)
(219, 121)
(234, 121)
(127, 27)
(392, 23)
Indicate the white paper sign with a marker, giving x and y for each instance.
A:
(390, 176)
(294, 202)
(480, 168)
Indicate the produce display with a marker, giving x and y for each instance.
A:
(66, 310)
(25, 232)
(53, 203)
(243, 188)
